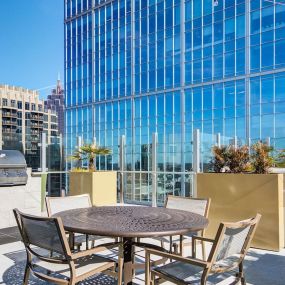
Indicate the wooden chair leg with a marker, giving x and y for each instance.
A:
(203, 250)
(26, 275)
(87, 242)
(181, 245)
(134, 261)
(175, 248)
(241, 274)
(152, 278)
(120, 265)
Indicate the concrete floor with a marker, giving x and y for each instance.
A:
(261, 267)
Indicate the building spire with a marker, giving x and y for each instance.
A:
(58, 85)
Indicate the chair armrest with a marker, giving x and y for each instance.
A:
(99, 248)
(202, 239)
(193, 261)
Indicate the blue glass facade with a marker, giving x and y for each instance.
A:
(134, 67)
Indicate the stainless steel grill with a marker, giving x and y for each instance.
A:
(13, 168)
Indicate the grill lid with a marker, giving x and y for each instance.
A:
(12, 159)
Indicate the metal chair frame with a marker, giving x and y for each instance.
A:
(207, 266)
(67, 257)
(182, 241)
(73, 241)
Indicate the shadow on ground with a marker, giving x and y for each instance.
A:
(260, 269)
(14, 274)
(265, 268)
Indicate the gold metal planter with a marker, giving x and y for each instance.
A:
(100, 185)
(239, 196)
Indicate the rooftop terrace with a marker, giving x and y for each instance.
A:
(261, 267)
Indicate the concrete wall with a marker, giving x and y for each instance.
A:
(26, 198)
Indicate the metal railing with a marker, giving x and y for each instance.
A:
(149, 186)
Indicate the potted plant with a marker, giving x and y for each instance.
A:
(240, 186)
(88, 153)
(100, 185)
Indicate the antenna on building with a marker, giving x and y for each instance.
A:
(58, 76)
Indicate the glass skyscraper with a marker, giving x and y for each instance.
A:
(135, 67)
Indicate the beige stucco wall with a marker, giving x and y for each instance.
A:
(240, 196)
(100, 185)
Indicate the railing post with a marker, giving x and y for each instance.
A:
(196, 159)
(218, 140)
(79, 145)
(235, 142)
(196, 151)
(43, 146)
(122, 167)
(154, 169)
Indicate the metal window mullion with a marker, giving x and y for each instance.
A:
(247, 67)
(192, 42)
(81, 55)
(99, 55)
(133, 47)
(224, 40)
(105, 59)
(260, 116)
(182, 94)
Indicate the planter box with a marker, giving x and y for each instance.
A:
(100, 185)
(239, 196)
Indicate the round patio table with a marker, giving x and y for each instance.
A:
(130, 222)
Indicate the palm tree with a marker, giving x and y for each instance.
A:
(89, 152)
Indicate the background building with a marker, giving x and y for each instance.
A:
(55, 102)
(138, 67)
(23, 120)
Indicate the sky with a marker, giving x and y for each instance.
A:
(31, 43)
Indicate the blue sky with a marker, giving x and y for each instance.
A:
(31, 43)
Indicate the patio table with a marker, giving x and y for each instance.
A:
(130, 222)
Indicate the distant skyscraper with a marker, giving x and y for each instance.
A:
(22, 121)
(55, 102)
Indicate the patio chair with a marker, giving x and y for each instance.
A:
(58, 204)
(227, 253)
(41, 235)
(199, 206)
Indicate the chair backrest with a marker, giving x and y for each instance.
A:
(59, 204)
(232, 242)
(42, 232)
(195, 205)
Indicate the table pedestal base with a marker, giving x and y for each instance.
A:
(128, 260)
